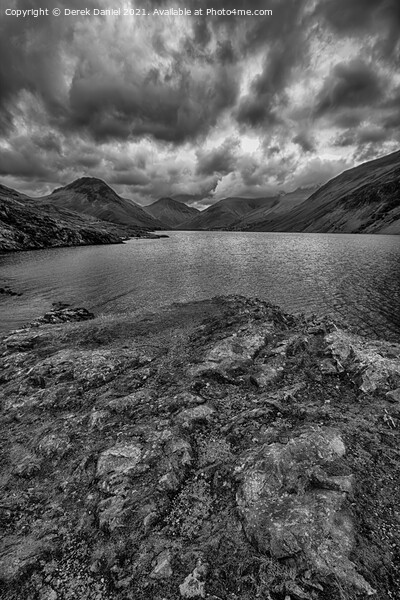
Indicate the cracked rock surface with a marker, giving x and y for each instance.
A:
(220, 449)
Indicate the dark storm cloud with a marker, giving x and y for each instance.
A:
(347, 118)
(287, 49)
(173, 109)
(131, 177)
(219, 160)
(83, 95)
(349, 85)
(353, 16)
(305, 141)
(22, 164)
(391, 109)
(30, 56)
(360, 137)
(259, 107)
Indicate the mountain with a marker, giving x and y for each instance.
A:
(91, 196)
(171, 212)
(26, 225)
(226, 212)
(365, 199)
(260, 218)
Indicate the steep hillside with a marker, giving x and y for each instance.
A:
(91, 196)
(171, 212)
(226, 212)
(365, 199)
(260, 218)
(24, 225)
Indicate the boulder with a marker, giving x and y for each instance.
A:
(232, 353)
(122, 459)
(292, 509)
(266, 375)
(162, 568)
(394, 396)
(54, 445)
(194, 584)
(18, 554)
(198, 414)
(178, 458)
(369, 361)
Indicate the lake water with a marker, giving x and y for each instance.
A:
(350, 277)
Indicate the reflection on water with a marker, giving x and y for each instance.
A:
(354, 278)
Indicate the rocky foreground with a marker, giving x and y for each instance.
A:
(220, 449)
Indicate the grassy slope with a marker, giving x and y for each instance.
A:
(261, 218)
(365, 199)
(171, 212)
(226, 212)
(94, 197)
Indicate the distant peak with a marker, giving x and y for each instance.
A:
(165, 200)
(84, 181)
(88, 184)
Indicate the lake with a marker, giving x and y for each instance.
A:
(355, 278)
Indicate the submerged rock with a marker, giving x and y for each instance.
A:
(63, 314)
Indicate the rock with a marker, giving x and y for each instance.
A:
(98, 419)
(194, 584)
(365, 359)
(162, 569)
(198, 414)
(26, 464)
(292, 509)
(393, 395)
(54, 445)
(295, 591)
(63, 315)
(111, 512)
(19, 554)
(8, 292)
(188, 399)
(179, 457)
(232, 353)
(121, 459)
(48, 594)
(266, 375)
(326, 366)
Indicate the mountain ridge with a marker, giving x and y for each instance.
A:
(363, 199)
(225, 213)
(170, 211)
(94, 197)
(29, 224)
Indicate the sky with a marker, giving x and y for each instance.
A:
(206, 106)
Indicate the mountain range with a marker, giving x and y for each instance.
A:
(171, 212)
(365, 199)
(91, 196)
(32, 223)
